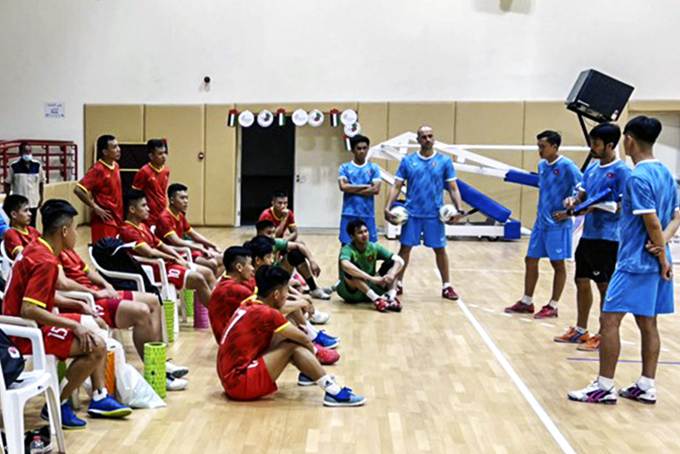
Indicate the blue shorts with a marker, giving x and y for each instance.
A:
(554, 244)
(432, 229)
(646, 294)
(370, 224)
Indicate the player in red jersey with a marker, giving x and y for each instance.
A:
(172, 227)
(102, 191)
(259, 343)
(232, 289)
(152, 179)
(21, 233)
(281, 216)
(30, 294)
(180, 274)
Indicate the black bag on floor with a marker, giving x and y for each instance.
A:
(112, 254)
(11, 358)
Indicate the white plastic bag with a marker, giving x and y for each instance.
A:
(134, 391)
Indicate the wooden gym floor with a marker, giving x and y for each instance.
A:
(432, 382)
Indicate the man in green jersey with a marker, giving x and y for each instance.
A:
(360, 279)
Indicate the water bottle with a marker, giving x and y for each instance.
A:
(37, 446)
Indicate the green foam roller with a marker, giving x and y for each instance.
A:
(61, 370)
(154, 366)
(189, 301)
(169, 307)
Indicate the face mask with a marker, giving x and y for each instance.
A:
(27, 157)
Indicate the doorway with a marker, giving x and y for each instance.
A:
(267, 165)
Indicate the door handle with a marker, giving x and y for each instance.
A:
(297, 178)
(201, 155)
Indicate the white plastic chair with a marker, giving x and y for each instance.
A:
(7, 262)
(168, 290)
(42, 379)
(139, 283)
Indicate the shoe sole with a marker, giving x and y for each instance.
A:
(73, 428)
(174, 390)
(583, 349)
(110, 414)
(306, 383)
(644, 401)
(543, 317)
(451, 299)
(601, 402)
(179, 373)
(344, 404)
(563, 341)
(518, 312)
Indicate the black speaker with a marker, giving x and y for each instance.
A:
(598, 96)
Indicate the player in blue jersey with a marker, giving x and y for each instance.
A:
(557, 180)
(360, 183)
(643, 282)
(427, 175)
(597, 249)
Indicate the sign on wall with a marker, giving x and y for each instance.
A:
(55, 110)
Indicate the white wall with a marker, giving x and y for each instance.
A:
(157, 51)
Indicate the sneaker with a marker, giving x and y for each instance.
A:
(381, 304)
(175, 384)
(325, 340)
(394, 305)
(592, 394)
(573, 336)
(591, 345)
(319, 294)
(345, 398)
(319, 318)
(328, 290)
(108, 408)
(305, 380)
(176, 371)
(634, 392)
(520, 308)
(400, 288)
(69, 420)
(325, 356)
(450, 294)
(547, 311)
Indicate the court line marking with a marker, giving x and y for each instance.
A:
(519, 383)
(632, 361)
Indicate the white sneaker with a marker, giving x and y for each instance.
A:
(327, 290)
(175, 371)
(593, 394)
(319, 317)
(634, 392)
(319, 294)
(175, 384)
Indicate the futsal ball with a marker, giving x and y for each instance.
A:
(400, 213)
(447, 212)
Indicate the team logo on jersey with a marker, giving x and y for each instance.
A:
(556, 171)
(610, 175)
(371, 258)
(434, 164)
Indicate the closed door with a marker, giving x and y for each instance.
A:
(184, 128)
(318, 154)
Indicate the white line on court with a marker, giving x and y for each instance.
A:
(527, 320)
(517, 380)
(549, 325)
(489, 310)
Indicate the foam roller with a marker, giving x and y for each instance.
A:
(169, 307)
(189, 302)
(110, 378)
(154, 367)
(525, 178)
(201, 320)
(483, 203)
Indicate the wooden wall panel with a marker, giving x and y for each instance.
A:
(539, 116)
(126, 122)
(493, 123)
(221, 179)
(184, 129)
(373, 118)
(405, 117)
(64, 190)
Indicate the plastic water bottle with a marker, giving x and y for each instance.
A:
(37, 446)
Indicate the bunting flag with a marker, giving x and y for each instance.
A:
(348, 144)
(281, 117)
(335, 113)
(231, 117)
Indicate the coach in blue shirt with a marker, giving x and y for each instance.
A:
(360, 182)
(427, 174)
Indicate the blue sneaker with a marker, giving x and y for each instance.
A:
(69, 420)
(108, 408)
(345, 398)
(325, 340)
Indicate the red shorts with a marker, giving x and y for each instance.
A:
(101, 230)
(176, 274)
(57, 340)
(250, 384)
(107, 308)
(197, 254)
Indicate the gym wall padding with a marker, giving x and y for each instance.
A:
(493, 123)
(184, 128)
(220, 167)
(64, 190)
(126, 122)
